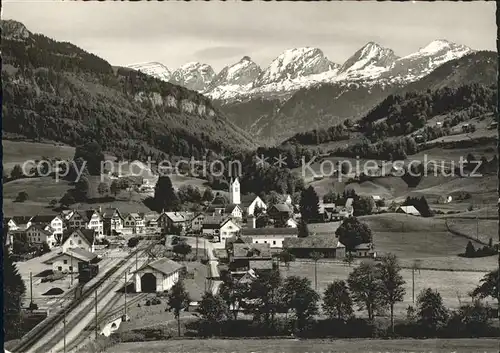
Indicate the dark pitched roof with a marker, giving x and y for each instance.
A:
(43, 219)
(21, 219)
(163, 265)
(40, 227)
(314, 241)
(281, 207)
(270, 231)
(261, 264)
(243, 250)
(213, 221)
(238, 240)
(82, 214)
(76, 253)
(230, 208)
(109, 212)
(87, 234)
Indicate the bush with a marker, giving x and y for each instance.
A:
(148, 302)
(132, 242)
(33, 306)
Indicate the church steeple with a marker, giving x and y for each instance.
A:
(234, 192)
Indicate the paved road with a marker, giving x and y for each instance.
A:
(213, 262)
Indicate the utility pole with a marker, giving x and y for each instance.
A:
(71, 257)
(197, 238)
(125, 295)
(95, 308)
(31, 288)
(136, 261)
(477, 227)
(413, 283)
(64, 330)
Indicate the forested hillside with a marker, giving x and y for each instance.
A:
(57, 91)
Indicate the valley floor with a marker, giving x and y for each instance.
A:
(313, 345)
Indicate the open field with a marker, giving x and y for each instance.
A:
(316, 345)
(450, 284)
(481, 229)
(17, 152)
(426, 239)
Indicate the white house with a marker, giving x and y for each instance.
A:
(272, 236)
(95, 222)
(22, 222)
(68, 261)
(78, 219)
(291, 223)
(197, 222)
(227, 229)
(234, 211)
(167, 220)
(78, 238)
(256, 203)
(56, 223)
(38, 234)
(135, 222)
(234, 192)
(11, 223)
(157, 276)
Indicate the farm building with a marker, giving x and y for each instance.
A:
(364, 250)
(244, 257)
(411, 210)
(157, 276)
(325, 244)
(256, 203)
(272, 236)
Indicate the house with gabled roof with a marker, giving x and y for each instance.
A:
(9, 221)
(234, 211)
(22, 222)
(272, 236)
(78, 238)
(112, 221)
(95, 222)
(411, 210)
(244, 257)
(135, 222)
(37, 234)
(78, 219)
(67, 261)
(157, 276)
(326, 244)
(176, 219)
(256, 203)
(55, 222)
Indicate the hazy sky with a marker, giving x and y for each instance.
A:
(220, 33)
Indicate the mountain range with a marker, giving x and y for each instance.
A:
(305, 67)
(302, 89)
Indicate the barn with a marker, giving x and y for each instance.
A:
(157, 276)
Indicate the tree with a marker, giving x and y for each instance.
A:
(352, 233)
(316, 256)
(309, 205)
(301, 298)
(67, 200)
(213, 309)
(102, 189)
(22, 196)
(489, 287)
(287, 257)
(16, 172)
(330, 197)
(13, 293)
(92, 153)
(178, 300)
(263, 296)
(302, 229)
(363, 206)
(431, 312)
(132, 242)
(53, 203)
(470, 251)
(337, 302)
(392, 283)
(233, 292)
(474, 317)
(114, 188)
(45, 247)
(165, 197)
(208, 195)
(82, 187)
(182, 248)
(365, 287)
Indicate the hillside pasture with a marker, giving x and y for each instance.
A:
(481, 229)
(450, 284)
(310, 345)
(426, 239)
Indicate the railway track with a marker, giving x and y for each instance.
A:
(42, 330)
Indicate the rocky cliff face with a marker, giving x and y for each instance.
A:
(194, 76)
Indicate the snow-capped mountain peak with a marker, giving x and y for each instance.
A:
(369, 56)
(295, 63)
(154, 69)
(242, 73)
(193, 75)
